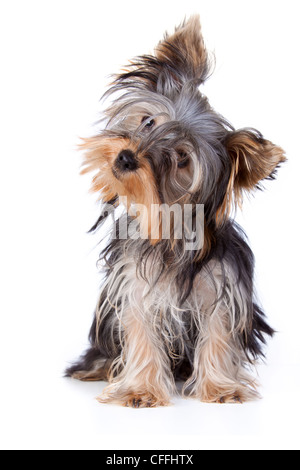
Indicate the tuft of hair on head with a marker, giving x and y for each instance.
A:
(253, 159)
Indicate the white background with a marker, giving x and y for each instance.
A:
(55, 60)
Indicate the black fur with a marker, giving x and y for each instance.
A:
(231, 247)
(196, 157)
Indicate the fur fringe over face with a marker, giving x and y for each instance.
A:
(166, 312)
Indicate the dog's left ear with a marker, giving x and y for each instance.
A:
(253, 159)
(183, 54)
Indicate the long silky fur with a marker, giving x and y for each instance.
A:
(165, 312)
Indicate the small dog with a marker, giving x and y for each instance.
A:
(170, 310)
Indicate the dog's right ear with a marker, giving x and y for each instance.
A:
(183, 54)
(179, 58)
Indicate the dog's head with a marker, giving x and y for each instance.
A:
(164, 144)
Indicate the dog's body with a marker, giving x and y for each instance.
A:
(165, 311)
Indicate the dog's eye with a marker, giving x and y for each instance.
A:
(149, 124)
(183, 159)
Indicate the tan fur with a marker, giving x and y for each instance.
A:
(253, 160)
(139, 186)
(142, 381)
(219, 375)
(141, 376)
(100, 371)
(187, 38)
(150, 329)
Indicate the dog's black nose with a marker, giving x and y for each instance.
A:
(126, 161)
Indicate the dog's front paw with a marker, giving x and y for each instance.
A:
(229, 398)
(241, 395)
(146, 400)
(132, 399)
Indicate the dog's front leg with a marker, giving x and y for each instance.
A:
(141, 376)
(219, 374)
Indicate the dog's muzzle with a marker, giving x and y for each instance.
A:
(126, 161)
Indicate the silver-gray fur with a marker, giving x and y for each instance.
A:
(165, 312)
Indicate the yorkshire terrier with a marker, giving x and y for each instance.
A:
(172, 310)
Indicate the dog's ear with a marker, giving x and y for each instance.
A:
(179, 58)
(183, 54)
(253, 159)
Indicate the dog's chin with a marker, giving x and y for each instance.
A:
(123, 176)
